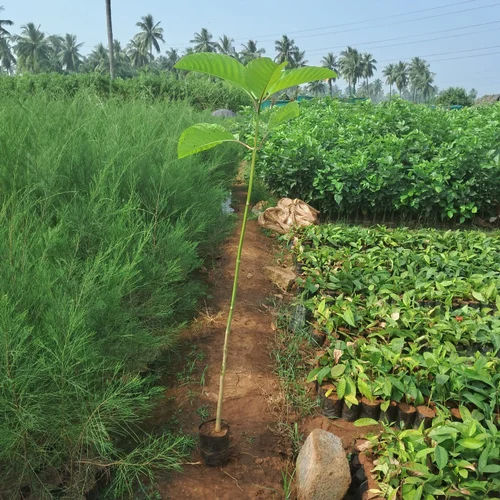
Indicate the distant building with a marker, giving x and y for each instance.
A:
(488, 99)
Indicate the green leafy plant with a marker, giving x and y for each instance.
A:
(260, 79)
(448, 460)
(410, 315)
(393, 160)
(96, 256)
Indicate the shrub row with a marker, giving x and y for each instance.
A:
(394, 158)
(199, 91)
(101, 232)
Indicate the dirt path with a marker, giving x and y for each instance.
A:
(258, 455)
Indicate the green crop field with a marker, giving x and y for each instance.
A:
(101, 232)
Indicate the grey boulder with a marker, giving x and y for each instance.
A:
(224, 113)
(322, 468)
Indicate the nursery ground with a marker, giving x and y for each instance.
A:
(258, 455)
(255, 401)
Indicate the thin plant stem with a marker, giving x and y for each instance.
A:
(236, 274)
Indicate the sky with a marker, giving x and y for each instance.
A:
(460, 39)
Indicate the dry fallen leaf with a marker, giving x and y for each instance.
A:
(363, 445)
(337, 354)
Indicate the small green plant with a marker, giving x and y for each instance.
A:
(448, 460)
(396, 160)
(95, 258)
(287, 478)
(409, 317)
(260, 79)
(203, 412)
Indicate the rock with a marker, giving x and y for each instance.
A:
(322, 468)
(224, 113)
(282, 277)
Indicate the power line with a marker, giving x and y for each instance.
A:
(464, 57)
(391, 24)
(454, 4)
(448, 52)
(310, 51)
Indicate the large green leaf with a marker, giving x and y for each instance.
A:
(219, 65)
(201, 137)
(298, 76)
(363, 422)
(261, 78)
(284, 114)
(258, 73)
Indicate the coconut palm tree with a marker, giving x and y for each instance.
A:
(203, 41)
(417, 69)
(368, 66)
(7, 59)
(4, 22)
(298, 58)
(150, 35)
(250, 51)
(317, 88)
(172, 58)
(401, 76)
(32, 48)
(389, 74)
(168, 61)
(351, 67)
(225, 45)
(425, 85)
(98, 59)
(123, 66)
(53, 61)
(330, 61)
(109, 25)
(70, 53)
(138, 53)
(376, 90)
(285, 49)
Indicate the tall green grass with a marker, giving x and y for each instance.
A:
(102, 231)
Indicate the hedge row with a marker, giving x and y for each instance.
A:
(394, 158)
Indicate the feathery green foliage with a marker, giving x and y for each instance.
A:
(101, 230)
(201, 93)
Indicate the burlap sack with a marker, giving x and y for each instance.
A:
(287, 214)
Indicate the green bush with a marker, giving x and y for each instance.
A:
(455, 96)
(101, 232)
(393, 159)
(199, 91)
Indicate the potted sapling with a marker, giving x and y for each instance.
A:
(260, 79)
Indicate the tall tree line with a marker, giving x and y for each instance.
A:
(34, 51)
